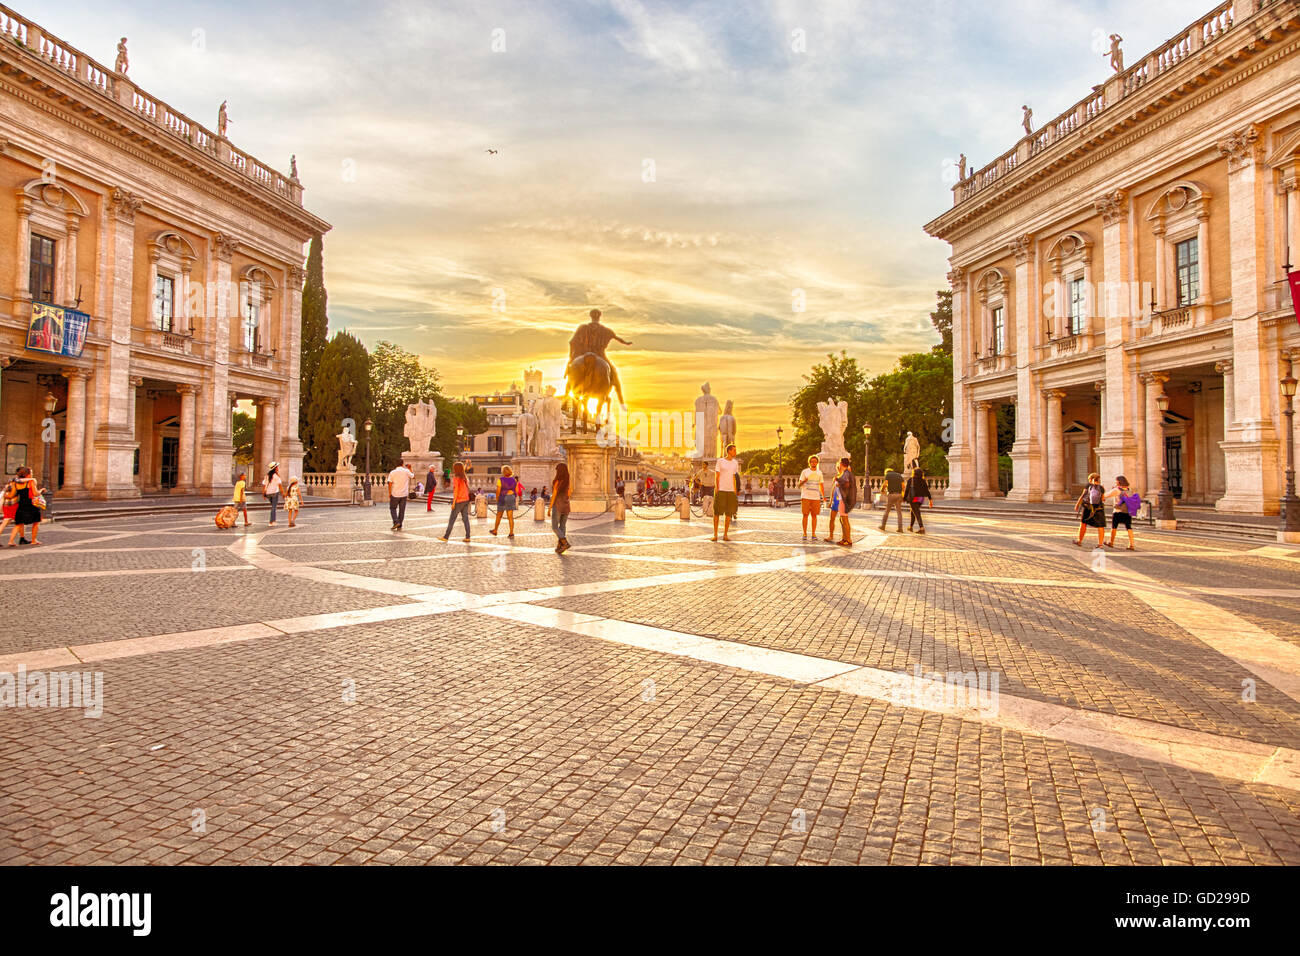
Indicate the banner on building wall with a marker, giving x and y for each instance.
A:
(1294, 279)
(57, 330)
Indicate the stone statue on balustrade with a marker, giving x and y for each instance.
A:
(223, 119)
(1116, 54)
(961, 167)
(911, 454)
(727, 427)
(527, 428)
(1028, 120)
(347, 448)
(122, 64)
(421, 426)
(834, 419)
(706, 425)
(550, 421)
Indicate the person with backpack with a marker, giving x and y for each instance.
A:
(916, 491)
(507, 500)
(1091, 508)
(559, 508)
(459, 499)
(1127, 505)
(843, 498)
(28, 503)
(10, 503)
(893, 493)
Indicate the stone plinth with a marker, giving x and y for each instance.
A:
(344, 479)
(535, 472)
(420, 462)
(591, 473)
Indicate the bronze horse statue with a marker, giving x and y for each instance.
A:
(587, 377)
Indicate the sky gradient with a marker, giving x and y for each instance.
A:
(775, 168)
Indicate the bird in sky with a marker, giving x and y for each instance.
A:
(491, 152)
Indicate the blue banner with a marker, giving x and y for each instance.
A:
(57, 330)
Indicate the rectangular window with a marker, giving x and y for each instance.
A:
(1076, 306)
(163, 298)
(999, 331)
(1187, 255)
(41, 277)
(494, 443)
(250, 327)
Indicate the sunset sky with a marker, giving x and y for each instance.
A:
(774, 169)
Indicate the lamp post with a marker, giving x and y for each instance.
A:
(369, 425)
(779, 478)
(1165, 518)
(866, 466)
(1290, 529)
(49, 435)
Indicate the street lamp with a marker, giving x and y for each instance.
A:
(866, 466)
(1165, 499)
(1290, 530)
(779, 478)
(369, 425)
(47, 480)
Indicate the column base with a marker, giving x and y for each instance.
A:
(1289, 537)
(1252, 475)
(1166, 524)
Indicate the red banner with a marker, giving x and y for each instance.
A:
(1294, 279)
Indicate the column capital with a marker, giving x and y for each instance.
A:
(983, 406)
(266, 402)
(1053, 394)
(1023, 247)
(956, 276)
(1157, 379)
(1099, 386)
(225, 246)
(186, 388)
(73, 371)
(125, 205)
(1223, 367)
(1240, 148)
(297, 275)
(1113, 207)
(135, 381)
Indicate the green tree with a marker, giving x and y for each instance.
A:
(840, 378)
(941, 319)
(915, 396)
(315, 331)
(241, 439)
(397, 379)
(452, 413)
(340, 390)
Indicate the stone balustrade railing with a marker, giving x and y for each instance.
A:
(1201, 33)
(116, 86)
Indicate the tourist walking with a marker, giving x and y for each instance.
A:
(507, 499)
(1127, 505)
(459, 499)
(28, 503)
(916, 491)
(1091, 508)
(812, 495)
(558, 510)
(724, 484)
(10, 503)
(271, 488)
(430, 486)
(843, 498)
(749, 490)
(293, 501)
(399, 489)
(893, 492)
(240, 499)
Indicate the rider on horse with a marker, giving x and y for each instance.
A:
(590, 340)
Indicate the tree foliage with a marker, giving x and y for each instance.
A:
(315, 329)
(340, 390)
(397, 379)
(941, 319)
(242, 436)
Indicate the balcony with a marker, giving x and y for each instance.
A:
(254, 361)
(174, 343)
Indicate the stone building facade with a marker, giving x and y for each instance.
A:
(185, 252)
(1137, 246)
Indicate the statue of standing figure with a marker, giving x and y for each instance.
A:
(421, 426)
(550, 420)
(527, 425)
(706, 425)
(1116, 54)
(347, 448)
(834, 419)
(727, 427)
(122, 64)
(223, 119)
(1028, 120)
(911, 454)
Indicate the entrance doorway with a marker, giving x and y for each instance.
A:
(1174, 464)
(171, 456)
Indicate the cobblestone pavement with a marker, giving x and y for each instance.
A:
(340, 693)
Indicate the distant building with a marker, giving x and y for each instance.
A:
(1130, 250)
(152, 279)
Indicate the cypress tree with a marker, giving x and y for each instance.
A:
(340, 389)
(315, 331)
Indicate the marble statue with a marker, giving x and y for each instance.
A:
(961, 167)
(706, 425)
(727, 427)
(527, 426)
(123, 64)
(1116, 54)
(347, 448)
(911, 454)
(834, 417)
(550, 420)
(421, 426)
(223, 119)
(1028, 120)
(293, 167)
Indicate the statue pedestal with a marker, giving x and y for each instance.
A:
(591, 473)
(534, 472)
(420, 462)
(344, 479)
(828, 463)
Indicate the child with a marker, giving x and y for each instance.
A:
(1091, 508)
(10, 503)
(1127, 504)
(240, 500)
(293, 501)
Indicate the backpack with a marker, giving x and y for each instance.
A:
(1095, 495)
(10, 494)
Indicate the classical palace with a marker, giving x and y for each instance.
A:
(155, 280)
(1119, 276)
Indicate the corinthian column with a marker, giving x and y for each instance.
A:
(185, 467)
(1055, 445)
(980, 431)
(75, 438)
(1155, 383)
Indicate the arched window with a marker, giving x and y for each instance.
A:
(1073, 307)
(1180, 222)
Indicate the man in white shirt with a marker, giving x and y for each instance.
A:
(399, 489)
(726, 495)
(812, 494)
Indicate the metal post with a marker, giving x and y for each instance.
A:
(1290, 529)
